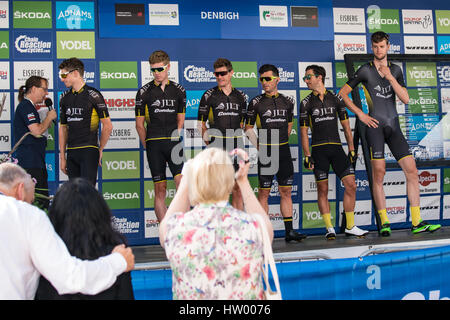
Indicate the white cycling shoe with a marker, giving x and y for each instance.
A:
(355, 231)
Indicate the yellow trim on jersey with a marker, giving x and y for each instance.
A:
(73, 148)
(94, 120)
(274, 144)
(322, 144)
(160, 138)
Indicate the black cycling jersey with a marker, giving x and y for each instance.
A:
(382, 106)
(81, 111)
(223, 111)
(160, 108)
(378, 91)
(321, 117)
(272, 114)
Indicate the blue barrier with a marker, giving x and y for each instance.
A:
(418, 274)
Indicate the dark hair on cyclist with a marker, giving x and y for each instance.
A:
(73, 64)
(159, 56)
(318, 71)
(379, 36)
(269, 67)
(33, 81)
(82, 219)
(222, 62)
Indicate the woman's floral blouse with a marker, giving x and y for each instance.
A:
(215, 252)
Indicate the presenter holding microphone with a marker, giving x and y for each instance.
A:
(28, 124)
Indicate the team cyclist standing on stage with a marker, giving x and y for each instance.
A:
(160, 111)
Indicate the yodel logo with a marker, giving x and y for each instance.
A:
(444, 22)
(121, 165)
(421, 74)
(76, 45)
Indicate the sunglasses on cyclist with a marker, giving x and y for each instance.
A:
(221, 73)
(309, 76)
(64, 75)
(159, 69)
(267, 79)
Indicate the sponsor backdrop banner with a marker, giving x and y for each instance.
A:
(114, 39)
(233, 19)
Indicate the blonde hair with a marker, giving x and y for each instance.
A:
(211, 176)
(159, 56)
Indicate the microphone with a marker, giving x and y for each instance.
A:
(49, 103)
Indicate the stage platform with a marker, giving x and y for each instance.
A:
(316, 247)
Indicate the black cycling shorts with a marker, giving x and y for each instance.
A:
(159, 154)
(275, 160)
(330, 154)
(83, 162)
(392, 135)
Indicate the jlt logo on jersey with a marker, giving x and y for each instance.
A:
(164, 103)
(383, 92)
(275, 113)
(74, 111)
(228, 106)
(323, 111)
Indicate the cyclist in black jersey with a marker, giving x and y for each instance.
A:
(381, 81)
(272, 112)
(320, 111)
(161, 105)
(82, 108)
(224, 108)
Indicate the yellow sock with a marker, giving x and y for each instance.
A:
(350, 217)
(415, 215)
(383, 216)
(327, 219)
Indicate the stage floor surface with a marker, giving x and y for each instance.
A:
(316, 247)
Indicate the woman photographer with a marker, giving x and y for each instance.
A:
(215, 251)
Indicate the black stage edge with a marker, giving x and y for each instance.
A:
(342, 247)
